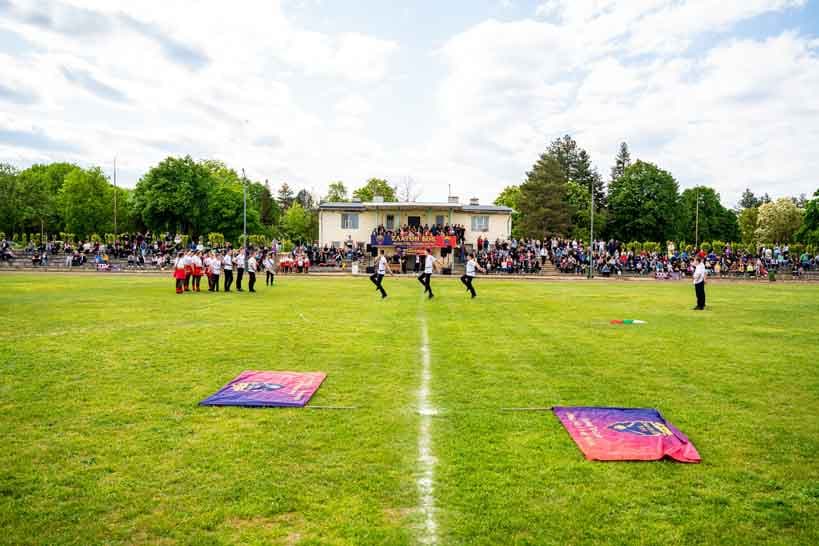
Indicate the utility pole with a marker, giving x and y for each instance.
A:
(591, 235)
(244, 213)
(697, 224)
(115, 198)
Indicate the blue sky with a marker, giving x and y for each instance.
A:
(461, 93)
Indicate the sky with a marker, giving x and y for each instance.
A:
(457, 96)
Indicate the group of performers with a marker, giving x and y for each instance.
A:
(430, 264)
(189, 268)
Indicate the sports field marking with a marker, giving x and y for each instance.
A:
(426, 461)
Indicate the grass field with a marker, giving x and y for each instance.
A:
(103, 441)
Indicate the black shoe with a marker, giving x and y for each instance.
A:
(474, 295)
(239, 290)
(252, 291)
(383, 296)
(431, 295)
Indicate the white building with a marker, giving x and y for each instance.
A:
(355, 221)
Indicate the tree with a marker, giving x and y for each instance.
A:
(173, 196)
(297, 224)
(748, 219)
(11, 196)
(373, 187)
(644, 204)
(337, 193)
(510, 197)
(86, 198)
(715, 221)
(749, 200)
(621, 162)
(407, 190)
(285, 196)
(305, 199)
(565, 151)
(542, 204)
(808, 233)
(778, 221)
(587, 177)
(225, 213)
(269, 212)
(41, 185)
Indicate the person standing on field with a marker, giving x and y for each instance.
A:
(381, 269)
(425, 277)
(240, 269)
(215, 271)
(469, 276)
(228, 264)
(699, 283)
(252, 265)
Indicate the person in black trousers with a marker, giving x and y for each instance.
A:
(240, 269)
(699, 283)
(228, 263)
(425, 277)
(381, 269)
(252, 265)
(469, 276)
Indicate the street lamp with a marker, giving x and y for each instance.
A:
(244, 212)
(591, 232)
(697, 224)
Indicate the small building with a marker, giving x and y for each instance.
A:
(356, 222)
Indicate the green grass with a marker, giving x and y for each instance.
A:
(103, 441)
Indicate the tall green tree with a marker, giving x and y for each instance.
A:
(269, 212)
(41, 185)
(586, 175)
(297, 224)
(644, 204)
(566, 152)
(715, 221)
(173, 196)
(778, 221)
(749, 200)
(285, 196)
(86, 198)
(543, 206)
(748, 219)
(621, 162)
(809, 230)
(336, 192)
(373, 187)
(510, 197)
(305, 199)
(11, 197)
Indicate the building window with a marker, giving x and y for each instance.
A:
(439, 220)
(349, 220)
(480, 223)
(390, 221)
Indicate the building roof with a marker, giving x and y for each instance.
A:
(356, 205)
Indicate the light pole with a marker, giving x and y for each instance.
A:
(115, 198)
(697, 224)
(591, 232)
(244, 212)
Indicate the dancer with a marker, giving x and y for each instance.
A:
(240, 269)
(228, 263)
(425, 277)
(381, 269)
(215, 270)
(179, 272)
(196, 261)
(699, 283)
(251, 272)
(469, 276)
(269, 269)
(187, 261)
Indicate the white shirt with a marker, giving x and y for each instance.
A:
(215, 266)
(197, 261)
(382, 265)
(470, 268)
(251, 265)
(268, 265)
(228, 263)
(240, 261)
(699, 273)
(428, 264)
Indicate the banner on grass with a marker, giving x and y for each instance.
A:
(257, 388)
(625, 434)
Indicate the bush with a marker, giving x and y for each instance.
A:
(95, 238)
(285, 245)
(635, 247)
(110, 238)
(257, 240)
(2, 235)
(706, 246)
(216, 240)
(772, 275)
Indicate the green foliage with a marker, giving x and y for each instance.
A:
(621, 162)
(173, 196)
(544, 209)
(259, 241)
(285, 196)
(748, 223)
(778, 221)
(809, 230)
(85, 200)
(705, 246)
(635, 247)
(94, 238)
(269, 211)
(216, 240)
(644, 204)
(717, 245)
(373, 187)
(337, 193)
(510, 197)
(651, 247)
(749, 200)
(297, 224)
(715, 221)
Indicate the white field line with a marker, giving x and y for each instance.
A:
(426, 461)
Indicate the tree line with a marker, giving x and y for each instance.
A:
(642, 202)
(199, 199)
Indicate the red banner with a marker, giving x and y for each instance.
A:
(415, 241)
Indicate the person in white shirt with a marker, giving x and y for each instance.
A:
(228, 264)
(215, 271)
(187, 261)
(196, 261)
(424, 278)
(269, 269)
(699, 283)
(381, 269)
(471, 267)
(179, 272)
(251, 272)
(240, 269)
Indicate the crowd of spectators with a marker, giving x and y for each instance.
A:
(455, 230)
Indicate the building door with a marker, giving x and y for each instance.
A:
(414, 221)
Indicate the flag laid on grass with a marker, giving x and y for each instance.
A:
(625, 434)
(628, 321)
(259, 389)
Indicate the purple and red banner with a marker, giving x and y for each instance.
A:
(415, 241)
(260, 389)
(625, 434)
